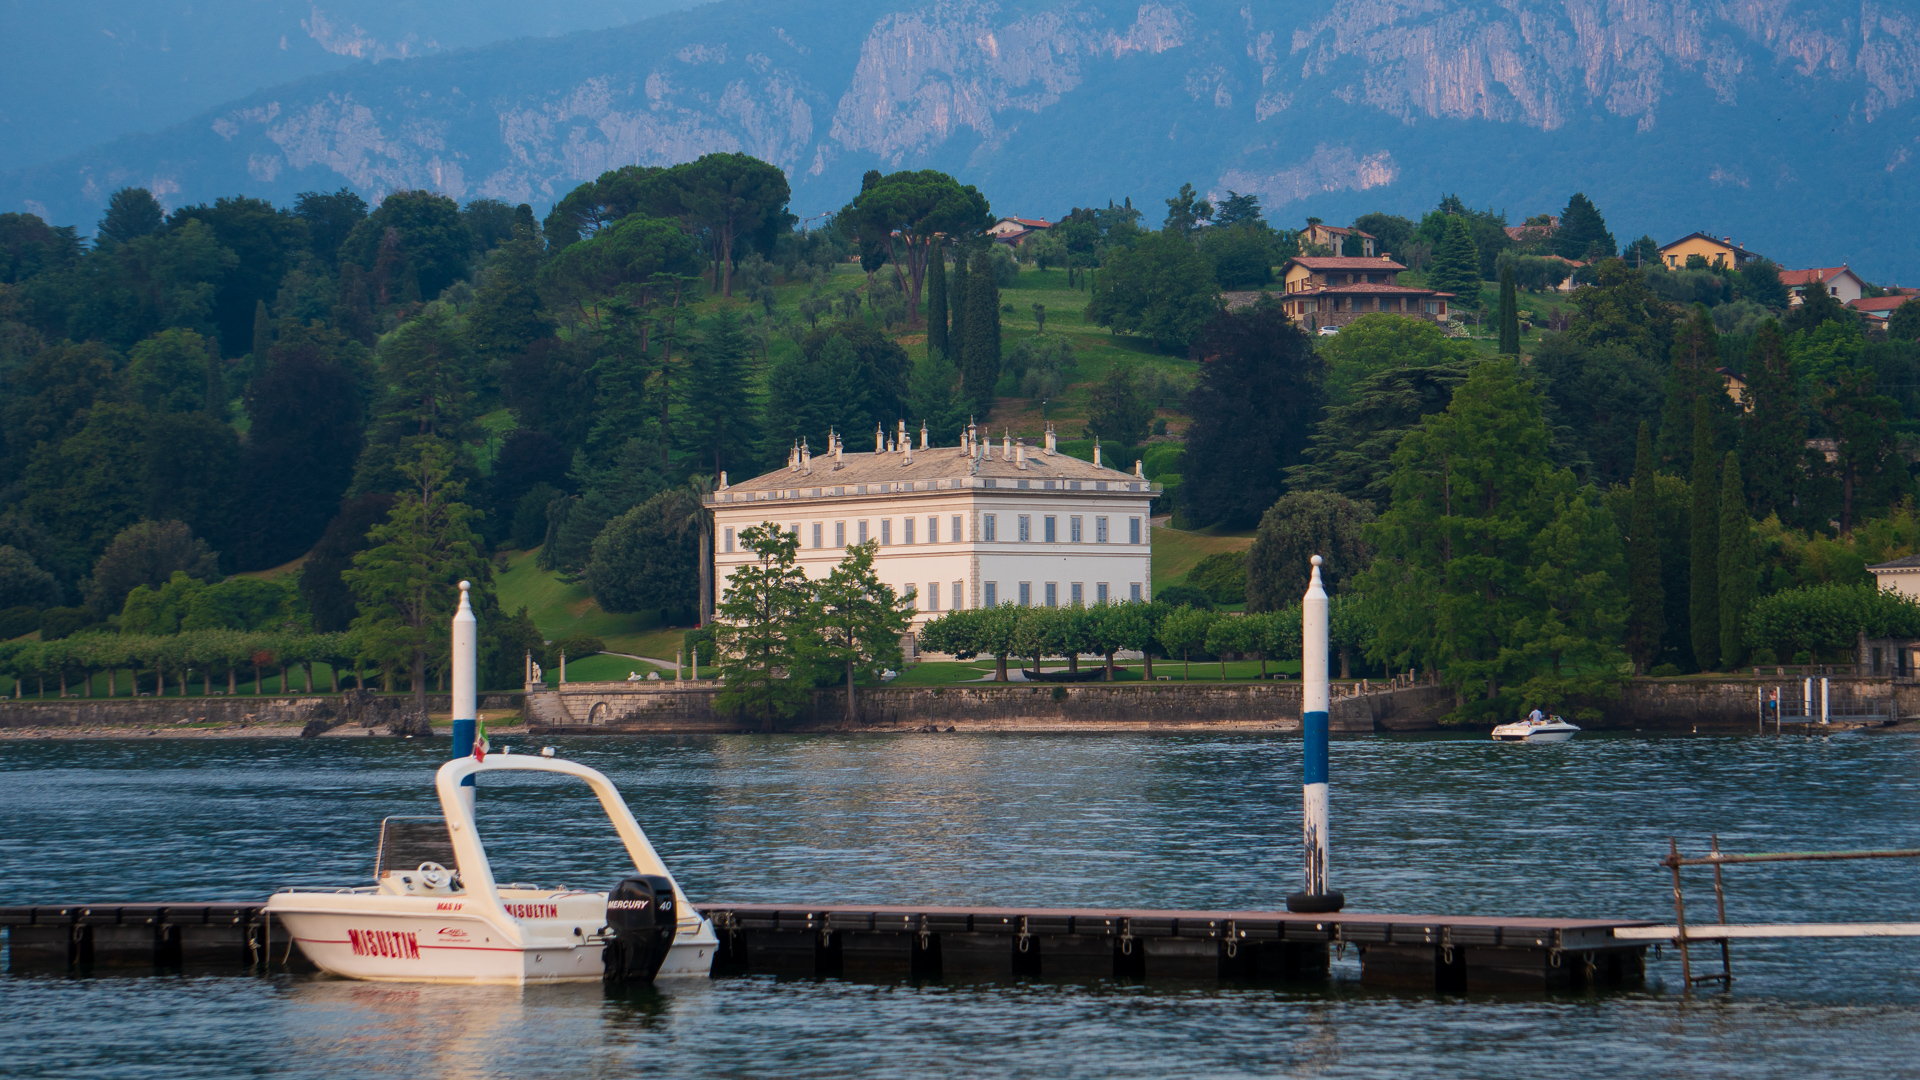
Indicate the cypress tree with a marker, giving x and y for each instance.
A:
(1736, 564)
(957, 310)
(262, 335)
(1692, 377)
(1773, 432)
(1509, 313)
(980, 362)
(1703, 608)
(936, 287)
(1647, 617)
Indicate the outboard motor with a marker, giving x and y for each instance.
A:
(641, 921)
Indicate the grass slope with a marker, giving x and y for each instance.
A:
(1176, 552)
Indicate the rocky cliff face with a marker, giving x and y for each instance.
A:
(1650, 104)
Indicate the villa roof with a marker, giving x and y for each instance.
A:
(932, 464)
(1718, 241)
(1911, 562)
(1822, 274)
(1878, 303)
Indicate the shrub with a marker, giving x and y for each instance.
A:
(702, 639)
(60, 622)
(1828, 619)
(1176, 595)
(575, 647)
(1666, 671)
(1223, 576)
(16, 621)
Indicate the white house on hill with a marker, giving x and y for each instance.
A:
(968, 526)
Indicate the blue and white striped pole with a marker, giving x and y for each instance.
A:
(1314, 702)
(466, 712)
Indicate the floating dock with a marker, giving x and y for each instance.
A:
(1418, 952)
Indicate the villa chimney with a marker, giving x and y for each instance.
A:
(1020, 455)
(806, 458)
(1006, 444)
(1096, 451)
(1050, 442)
(1139, 469)
(908, 447)
(723, 479)
(923, 434)
(879, 439)
(901, 442)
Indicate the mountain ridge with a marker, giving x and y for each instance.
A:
(1791, 127)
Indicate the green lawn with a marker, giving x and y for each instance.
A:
(561, 609)
(950, 673)
(1177, 551)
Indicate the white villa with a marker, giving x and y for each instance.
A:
(974, 525)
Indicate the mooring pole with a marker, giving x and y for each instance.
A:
(466, 713)
(1313, 727)
(1823, 699)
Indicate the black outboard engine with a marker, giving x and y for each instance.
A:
(641, 920)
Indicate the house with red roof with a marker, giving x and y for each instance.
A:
(1878, 309)
(1335, 290)
(1012, 230)
(1841, 283)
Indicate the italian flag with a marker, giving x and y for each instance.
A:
(480, 746)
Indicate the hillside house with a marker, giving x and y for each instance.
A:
(1878, 309)
(1721, 251)
(1841, 283)
(968, 526)
(1011, 230)
(1335, 290)
(1334, 239)
(1900, 576)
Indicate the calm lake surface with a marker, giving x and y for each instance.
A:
(1460, 826)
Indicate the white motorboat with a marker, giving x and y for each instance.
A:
(427, 921)
(1548, 730)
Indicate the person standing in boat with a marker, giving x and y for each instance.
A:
(1536, 717)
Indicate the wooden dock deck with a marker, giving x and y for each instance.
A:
(1423, 952)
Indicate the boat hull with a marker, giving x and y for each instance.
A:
(1538, 737)
(454, 948)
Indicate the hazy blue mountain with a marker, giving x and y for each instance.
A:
(1791, 127)
(77, 75)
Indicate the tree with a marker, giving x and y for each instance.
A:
(406, 582)
(1579, 609)
(1904, 323)
(1490, 561)
(907, 213)
(1737, 563)
(238, 604)
(148, 554)
(1692, 379)
(1773, 430)
(299, 458)
(619, 260)
(720, 431)
(731, 197)
(1817, 305)
(1241, 257)
(1391, 232)
(330, 219)
(980, 349)
(763, 630)
(1380, 342)
(1252, 409)
(265, 242)
(1760, 282)
(1299, 526)
(1186, 213)
(322, 587)
(1862, 422)
(1456, 264)
(1646, 613)
(48, 395)
(859, 619)
(1184, 631)
(427, 233)
(848, 377)
(1618, 308)
(1509, 313)
(507, 316)
(645, 559)
(1704, 604)
(1117, 411)
(1161, 287)
(131, 214)
(23, 583)
(937, 337)
(1582, 234)
(167, 373)
(1600, 395)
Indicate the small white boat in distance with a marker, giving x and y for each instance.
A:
(426, 922)
(1550, 729)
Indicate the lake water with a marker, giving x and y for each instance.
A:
(1454, 825)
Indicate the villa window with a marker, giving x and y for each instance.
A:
(839, 534)
(988, 529)
(886, 532)
(1077, 594)
(1073, 529)
(1099, 530)
(1053, 594)
(816, 534)
(1135, 588)
(863, 532)
(906, 530)
(992, 594)
(1026, 527)
(1050, 534)
(1026, 594)
(1133, 530)
(933, 596)
(729, 540)
(959, 596)
(958, 534)
(1100, 593)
